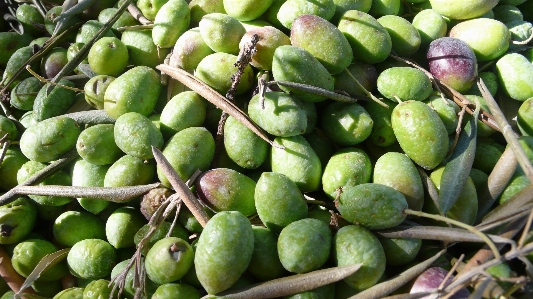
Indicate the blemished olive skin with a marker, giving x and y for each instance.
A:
(304, 245)
(230, 235)
(136, 90)
(273, 212)
(297, 65)
(323, 40)
(168, 260)
(355, 244)
(372, 205)
(49, 139)
(420, 132)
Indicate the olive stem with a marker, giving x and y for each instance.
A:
(507, 131)
(523, 237)
(39, 176)
(44, 80)
(181, 189)
(368, 93)
(470, 228)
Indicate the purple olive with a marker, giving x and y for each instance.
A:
(453, 62)
(431, 279)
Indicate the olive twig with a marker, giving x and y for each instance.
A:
(410, 296)
(523, 237)
(484, 254)
(457, 97)
(484, 284)
(449, 274)
(384, 288)
(507, 131)
(467, 275)
(470, 228)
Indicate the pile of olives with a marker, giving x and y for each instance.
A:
(306, 130)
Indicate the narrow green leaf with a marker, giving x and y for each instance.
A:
(458, 168)
(46, 262)
(290, 285)
(382, 289)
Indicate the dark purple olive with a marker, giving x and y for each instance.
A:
(54, 62)
(453, 62)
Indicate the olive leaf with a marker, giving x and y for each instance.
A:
(39, 176)
(180, 187)
(381, 289)
(290, 285)
(507, 131)
(114, 194)
(90, 117)
(46, 262)
(498, 179)
(457, 170)
(214, 97)
(446, 234)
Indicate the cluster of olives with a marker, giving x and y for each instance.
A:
(332, 171)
